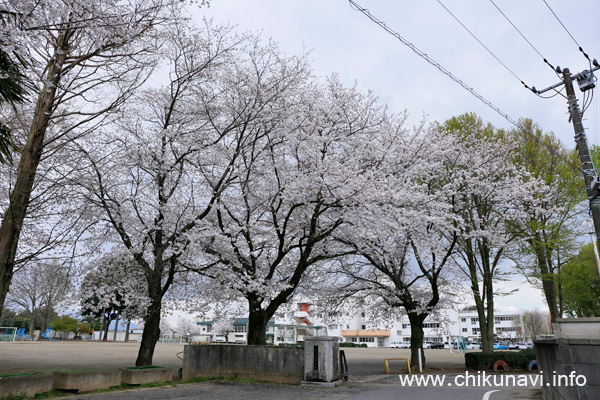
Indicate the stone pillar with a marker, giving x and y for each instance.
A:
(321, 361)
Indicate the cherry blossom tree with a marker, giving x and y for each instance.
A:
(114, 287)
(276, 222)
(403, 237)
(223, 326)
(87, 58)
(186, 326)
(156, 175)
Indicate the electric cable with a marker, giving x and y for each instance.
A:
(382, 24)
(431, 61)
(494, 55)
(523, 36)
(569, 33)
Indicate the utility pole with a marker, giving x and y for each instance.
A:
(585, 81)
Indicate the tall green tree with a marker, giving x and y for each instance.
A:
(492, 193)
(549, 236)
(581, 284)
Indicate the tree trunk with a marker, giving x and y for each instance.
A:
(44, 321)
(31, 323)
(127, 330)
(106, 325)
(548, 283)
(116, 328)
(102, 322)
(150, 335)
(15, 213)
(489, 315)
(416, 339)
(257, 323)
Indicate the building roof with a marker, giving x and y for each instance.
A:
(365, 333)
(237, 321)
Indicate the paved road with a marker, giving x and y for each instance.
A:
(375, 388)
(365, 369)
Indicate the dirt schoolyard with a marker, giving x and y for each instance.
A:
(17, 357)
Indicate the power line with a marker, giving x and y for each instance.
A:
(382, 24)
(480, 42)
(565, 28)
(493, 55)
(523, 36)
(431, 61)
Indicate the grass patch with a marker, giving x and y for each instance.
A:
(124, 386)
(72, 371)
(22, 374)
(52, 394)
(15, 397)
(150, 367)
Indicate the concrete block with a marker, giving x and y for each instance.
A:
(30, 384)
(144, 376)
(84, 381)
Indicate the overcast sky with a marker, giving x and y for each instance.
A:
(344, 41)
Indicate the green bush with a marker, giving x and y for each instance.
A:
(348, 344)
(514, 359)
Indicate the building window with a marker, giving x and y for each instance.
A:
(431, 325)
(352, 339)
(364, 327)
(332, 327)
(208, 328)
(398, 333)
(475, 330)
(406, 338)
(463, 320)
(240, 328)
(474, 321)
(367, 340)
(499, 319)
(506, 329)
(405, 326)
(464, 329)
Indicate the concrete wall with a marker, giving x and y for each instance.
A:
(567, 355)
(31, 384)
(262, 363)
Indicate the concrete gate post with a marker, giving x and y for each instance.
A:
(321, 361)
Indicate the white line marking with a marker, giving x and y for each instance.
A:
(486, 396)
